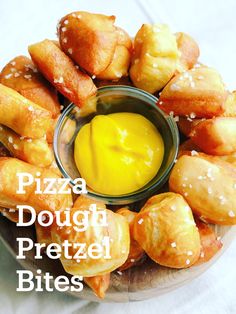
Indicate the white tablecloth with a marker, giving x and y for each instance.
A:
(213, 24)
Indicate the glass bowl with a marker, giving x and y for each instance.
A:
(111, 99)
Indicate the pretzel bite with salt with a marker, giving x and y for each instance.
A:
(116, 229)
(136, 252)
(155, 57)
(209, 185)
(230, 105)
(89, 39)
(34, 151)
(21, 75)
(22, 115)
(196, 93)
(215, 136)
(189, 51)
(60, 71)
(167, 231)
(210, 244)
(9, 177)
(121, 59)
(99, 284)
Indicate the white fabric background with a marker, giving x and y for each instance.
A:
(213, 24)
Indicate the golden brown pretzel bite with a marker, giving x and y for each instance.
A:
(155, 57)
(89, 39)
(21, 75)
(43, 234)
(210, 244)
(230, 105)
(120, 62)
(189, 51)
(9, 171)
(215, 136)
(34, 151)
(209, 186)
(60, 71)
(22, 115)
(117, 230)
(166, 230)
(136, 252)
(199, 93)
(99, 284)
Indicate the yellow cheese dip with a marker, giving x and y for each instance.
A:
(118, 153)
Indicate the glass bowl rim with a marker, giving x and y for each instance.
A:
(142, 192)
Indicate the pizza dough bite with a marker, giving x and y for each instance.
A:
(34, 151)
(189, 51)
(196, 93)
(210, 244)
(215, 136)
(60, 71)
(209, 185)
(21, 75)
(155, 57)
(117, 230)
(9, 171)
(22, 115)
(121, 59)
(89, 39)
(166, 230)
(136, 252)
(230, 105)
(99, 284)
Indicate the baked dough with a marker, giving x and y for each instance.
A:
(209, 185)
(196, 93)
(166, 230)
(22, 115)
(215, 136)
(99, 284)
(9, 168)
(155, 57)
(117, 230)
(60, 71)
(21, 75)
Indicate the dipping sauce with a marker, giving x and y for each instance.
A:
(118, 153)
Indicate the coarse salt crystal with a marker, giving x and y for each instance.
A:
(187, 261)
(194, 153)
(231, 214)
(173, 244)
(140, 221)
(63, 29)
(10, 139)
(70, 50)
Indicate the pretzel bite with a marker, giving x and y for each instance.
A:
(209, 185)
(215, 136)
(230, 105)
(186, 125)
(22, 115)
(189, 51)
(89, 39)
(9, 171)
(117, 230)
(21, 75)
(99, 284)
(136, 253)
(121, 59)
(210, 244)
(61, 72)
(196, 93)
(166, 230)
(155, 57)
(34, 151)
